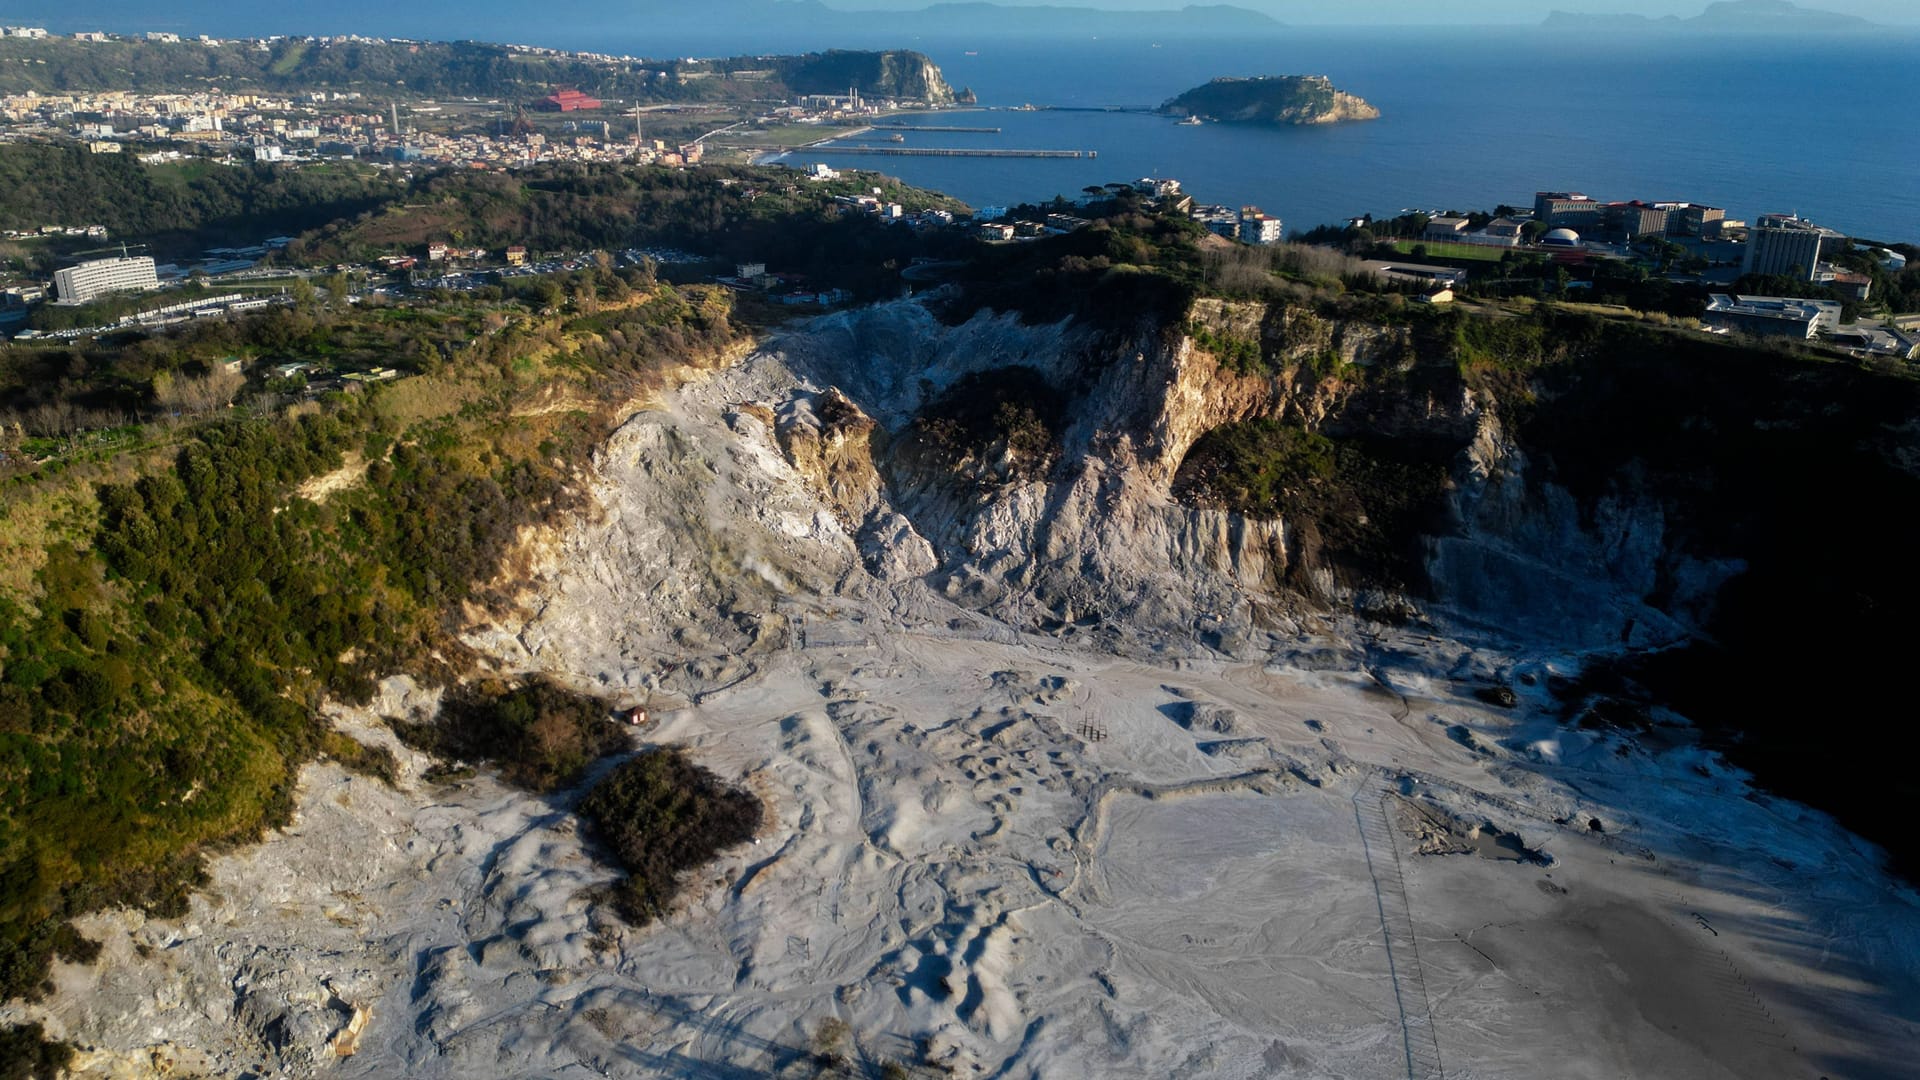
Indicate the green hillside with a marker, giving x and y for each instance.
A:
(462, 68)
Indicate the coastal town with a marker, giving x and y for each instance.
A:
(1443, 259)
(561, 125)
(1565, 245)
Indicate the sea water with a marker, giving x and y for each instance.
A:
(1827, 126)
(1823, 127)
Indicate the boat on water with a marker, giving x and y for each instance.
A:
(1192, 121)
(896, 137)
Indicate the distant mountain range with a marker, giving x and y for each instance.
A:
(1726, 16)
(971, 17)
(776, 25)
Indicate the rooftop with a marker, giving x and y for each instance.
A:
(1773, 307)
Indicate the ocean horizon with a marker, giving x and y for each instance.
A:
(1469, 120)
(1472, 116)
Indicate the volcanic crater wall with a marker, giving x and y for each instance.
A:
(1041, 474)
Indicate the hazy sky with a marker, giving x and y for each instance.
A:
(454, 18)
(1441, 11)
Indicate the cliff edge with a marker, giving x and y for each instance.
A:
(896, 74)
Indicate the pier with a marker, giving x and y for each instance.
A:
(1141, 110)
(932, 151)
(930, 127)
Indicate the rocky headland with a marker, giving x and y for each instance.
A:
(1272, 100)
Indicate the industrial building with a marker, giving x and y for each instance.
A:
(81, 283)
(566, 101)
(1567, 209)
(1633, 220)
(1692, 219)
(1771, 316)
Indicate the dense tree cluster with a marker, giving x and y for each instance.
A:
(664, 815)
(156, 686)
(541, 735)
(1359, 505)
(730, 214)
(179, 207)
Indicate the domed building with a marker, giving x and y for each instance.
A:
(1561, 238)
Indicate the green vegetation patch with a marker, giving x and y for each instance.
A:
(1441, 249)
(1267, 99)
(664, 815)
(447, 69)
(183, 207)
(541, 735)
(1361, 505)
(161, 668)
(374, 761)
(1239, 354)
(27, 1054)
(1009, 415)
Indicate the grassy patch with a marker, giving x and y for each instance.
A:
(289, 61)
(356, 756)
(1440, 249)
(1241, 355)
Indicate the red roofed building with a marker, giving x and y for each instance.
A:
(566, 101)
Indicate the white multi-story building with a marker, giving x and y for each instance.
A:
(1785, 245)
(1255, 227)
(79, 284)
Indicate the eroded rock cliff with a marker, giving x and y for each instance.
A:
(1043, 475)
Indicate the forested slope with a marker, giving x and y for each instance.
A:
(464, 68)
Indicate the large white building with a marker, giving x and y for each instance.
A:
(1785, 245)
(79, 284)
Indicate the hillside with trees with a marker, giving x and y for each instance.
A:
(462, 68)
(177, 599)
(179, 206)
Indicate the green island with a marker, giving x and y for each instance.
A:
(1271, 100)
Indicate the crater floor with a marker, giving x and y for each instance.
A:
(1010, 859)
(998, 852)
